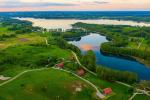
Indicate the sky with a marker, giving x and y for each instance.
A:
(73, 5)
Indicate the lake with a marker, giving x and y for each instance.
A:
(93, 41)
(66, 23)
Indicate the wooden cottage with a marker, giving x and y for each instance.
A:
(80, 72)
(60, 65)
(107, 91)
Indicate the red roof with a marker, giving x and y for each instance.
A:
(80, 72)
(60, 65)
(107, 91)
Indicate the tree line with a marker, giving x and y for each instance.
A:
(120, 36)
(108, 48)
(114, 75)
(89, 61)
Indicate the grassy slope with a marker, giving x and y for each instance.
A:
(14, 46)
(45, 85)
(119, 91)
(141, 97)
(31, 39)
(29, 54)
(32, 52)
(3, 30)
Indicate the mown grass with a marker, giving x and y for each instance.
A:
(141, 97)
(49, 84)
(120, 92)
(12, 70)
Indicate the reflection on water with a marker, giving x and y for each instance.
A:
(66, 23)
(86, 47)
(92, 41)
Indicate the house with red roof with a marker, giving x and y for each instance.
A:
(107, 91)
(80, 72)
(60, 65)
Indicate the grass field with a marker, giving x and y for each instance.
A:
(141, 97)
(49, 84)
(29, 51)
(22, 39)
(20, 58)
(4, 30)
(120, 92)
(140, 44)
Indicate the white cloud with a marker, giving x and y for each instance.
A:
(75, 4)
(34, 3)
(46, 3)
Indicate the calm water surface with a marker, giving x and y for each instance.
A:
(66, 23)
(92, 41)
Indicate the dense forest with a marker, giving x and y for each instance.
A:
(139, 16)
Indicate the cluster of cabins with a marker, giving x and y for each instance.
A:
(81, 72)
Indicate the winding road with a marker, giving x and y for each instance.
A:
(138, 91)
(98, 93)
(82, 65)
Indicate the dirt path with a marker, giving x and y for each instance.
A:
(127, 85)
(98, 93)
(134, 95)
(46, 41)
(10, 80)
(140, 43)
(138, 91)
(82, 65)
(22, 73)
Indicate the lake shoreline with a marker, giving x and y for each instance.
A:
(110, 62)
(67, 23)
(108, 55)
(128, 57)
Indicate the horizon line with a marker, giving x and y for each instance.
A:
(73, 10)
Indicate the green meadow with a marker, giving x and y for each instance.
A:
(50, 84)
(36, 50)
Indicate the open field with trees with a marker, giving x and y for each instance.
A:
(35, 48)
